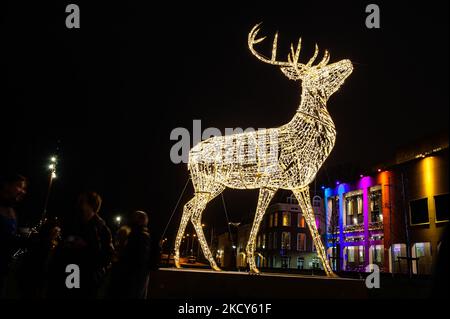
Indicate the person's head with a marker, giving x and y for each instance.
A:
(13, 188)
(139, 219)
(89, 203)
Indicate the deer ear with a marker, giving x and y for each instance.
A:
(291, 73)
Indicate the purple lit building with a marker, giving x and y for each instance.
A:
(394, 218)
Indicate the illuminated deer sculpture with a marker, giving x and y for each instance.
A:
(287, 157)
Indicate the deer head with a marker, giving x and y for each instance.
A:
(321, 78)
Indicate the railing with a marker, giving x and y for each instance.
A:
(375, 225)
(353, 228)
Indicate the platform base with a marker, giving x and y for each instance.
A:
(208, 284)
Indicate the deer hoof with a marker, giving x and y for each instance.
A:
(254, 271)
(216, 268)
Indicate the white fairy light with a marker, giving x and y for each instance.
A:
(287, 157)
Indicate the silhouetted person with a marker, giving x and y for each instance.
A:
(12, 190)
(120, 242)
(33, 273)
(88, 244)
(131, 272)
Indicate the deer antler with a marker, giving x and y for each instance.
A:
(293, 56)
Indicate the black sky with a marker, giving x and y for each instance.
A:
(112, 91)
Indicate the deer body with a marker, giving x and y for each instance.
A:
(276, 167)
(287, 157)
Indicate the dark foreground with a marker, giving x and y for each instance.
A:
(207, 284)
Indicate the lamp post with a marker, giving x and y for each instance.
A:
(187, 245)
(233, 244)
(192, 244)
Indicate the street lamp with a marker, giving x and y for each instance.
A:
(52, 175)
(192, 244)
(118, 220)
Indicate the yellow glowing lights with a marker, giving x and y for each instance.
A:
(428, 170)
(287, 157)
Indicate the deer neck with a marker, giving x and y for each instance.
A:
(312, 105)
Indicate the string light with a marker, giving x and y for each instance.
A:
(287, 157)
(52, 167)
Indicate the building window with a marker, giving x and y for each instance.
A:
(264, 241)
(423, 263)
(275, 219)
(315, 263)
(258, 241)
(270, 220)
(353, 208)
(419, 211)
(317, 204)
(275, 246)
(286, 240)
(300, 221)
(270, 240)
(286, 219)
(442, 209)
(361, 254)
(333, 214)
(351, 254)
(300, 262)
(292, 200)
(301, 242)
(376, 213)
(377, 254)
(420, 249)
(285, 262)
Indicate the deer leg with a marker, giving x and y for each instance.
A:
(187, 212)
(196, 220)
(264, 198)
(304, 200)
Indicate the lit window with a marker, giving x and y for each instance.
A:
(286, 219)
(286, 240)
(300, 221)
(301, 242)
(353, 208)
(420, 249)
(378, 254)
(333, 214)
(270, 220)
(275, 219)
(376, 214)
(361, 254)
(351, 254)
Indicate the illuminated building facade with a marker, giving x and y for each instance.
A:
(284, 240)
(393, 218)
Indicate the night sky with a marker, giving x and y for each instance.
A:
(109, 94)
